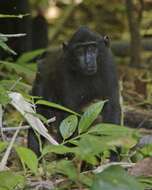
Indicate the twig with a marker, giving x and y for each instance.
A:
(15, 83)
(12, 35)
(51, 120)
(103, 167)
(24, 127)
(41, 184)
(20, 16)
(7, 153)
(1, 122)
(1, 116)
(15, 128)
(121, 102)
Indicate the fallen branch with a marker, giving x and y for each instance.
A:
(105, 166)
(138, 118)
(7, 153)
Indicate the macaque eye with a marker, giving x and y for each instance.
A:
(92, 48)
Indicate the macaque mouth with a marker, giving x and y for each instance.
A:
(91, 70)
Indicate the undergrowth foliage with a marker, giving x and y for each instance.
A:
(91, 145)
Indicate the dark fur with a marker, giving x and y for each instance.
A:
(66, 85)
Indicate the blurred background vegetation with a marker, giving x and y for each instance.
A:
(119, 19)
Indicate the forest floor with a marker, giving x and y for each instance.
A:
(136, 92)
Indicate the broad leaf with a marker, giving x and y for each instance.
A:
(4, 46)
(89, 147)
(115, 178)
(28, 56)
(67, 168)
(68, 126)
(19, 86)
(28, 157)
(3, 146)
(57, 106)
(86, 179)
(111, 129)
(18, 68)
(115, 135)
(90, 115)
(10, 180)
(58, 149)
(4, 98)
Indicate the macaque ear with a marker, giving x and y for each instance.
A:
(64, 46)
(106, 41)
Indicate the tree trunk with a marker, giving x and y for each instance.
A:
(134, 28)
(16, 25)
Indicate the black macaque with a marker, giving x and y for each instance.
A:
(84, 71)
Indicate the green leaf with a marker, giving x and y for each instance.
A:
(10, 180)
(57, 106)
(28, 56)
(68, 126)
(89, 116)
(58, 149)
(86, 179)
(20, 86)
(115, 135)
(4, 46)
(115, 178)
(147, 150)
(146, 181)
(13, 16)
(111, 130)
(3, 146)
(67, 168)
(28, 157)
(4, 98)
(89, 147)
(3, 38)
(18, 68)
